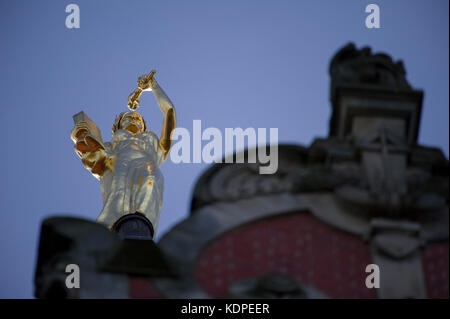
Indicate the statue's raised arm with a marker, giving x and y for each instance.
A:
(148, 83)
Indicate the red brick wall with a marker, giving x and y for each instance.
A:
(142, 288)
(435, 264)
(312, 252)
(296, 244)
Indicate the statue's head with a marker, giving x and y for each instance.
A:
(129, 121)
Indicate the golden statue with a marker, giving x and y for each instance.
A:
(128, 166)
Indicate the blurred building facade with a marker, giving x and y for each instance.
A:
(366, 194)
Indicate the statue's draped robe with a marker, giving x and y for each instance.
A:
(136, 183)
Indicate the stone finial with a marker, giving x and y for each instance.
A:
(353, 67)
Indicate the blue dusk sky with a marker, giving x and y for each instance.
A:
(247, 63)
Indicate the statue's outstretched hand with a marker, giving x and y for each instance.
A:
(146, 82)
(92, 154)
(87, 144)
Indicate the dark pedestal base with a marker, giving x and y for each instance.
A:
(134, 226)
(108, 261)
